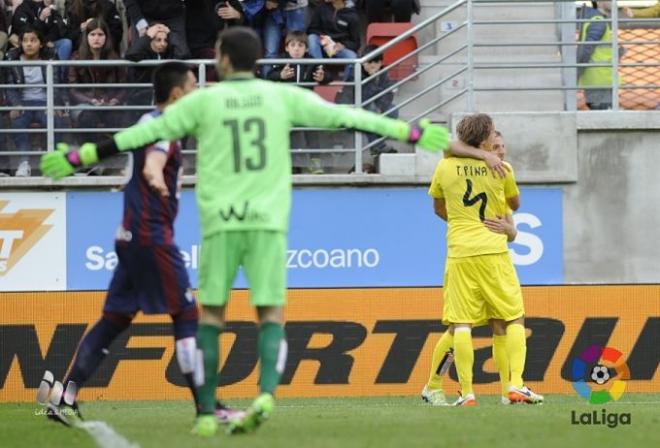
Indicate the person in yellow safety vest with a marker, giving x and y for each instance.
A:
(597, 29)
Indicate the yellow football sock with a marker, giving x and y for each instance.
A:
(464, 358)
(516, 349)
(445, 343)
(501, 361)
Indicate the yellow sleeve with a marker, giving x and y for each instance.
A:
(647, 13)
(510, 186)
(435, 190)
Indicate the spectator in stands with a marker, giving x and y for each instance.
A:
(391, 10)
(295, 46)
(32, 48)
(96, 45)
(370, 89)
(171, 13)
(43, 16)
(255, 14)
(153, 45)
(205, 19)
(80, 12)
(598, 31)
(334, 32)
(4, 27)
(651, 12)
(282, 17)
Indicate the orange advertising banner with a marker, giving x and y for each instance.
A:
(342, 342)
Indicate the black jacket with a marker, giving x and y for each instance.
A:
(203, 23)
(369, 90)
(342, 27)
(153, 10)
(28, 12)
(140, 51)
(109, 14)
(302, 72)
(16, 76)
(3, 20)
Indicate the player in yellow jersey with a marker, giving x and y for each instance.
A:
(443, 353)
(480, 281)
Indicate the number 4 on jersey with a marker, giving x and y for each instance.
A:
(470, 201)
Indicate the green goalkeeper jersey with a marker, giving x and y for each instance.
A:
(242, 129)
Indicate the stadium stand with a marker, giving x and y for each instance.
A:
(443, 74)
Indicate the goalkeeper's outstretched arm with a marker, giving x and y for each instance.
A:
(178, 120)
(308, 109)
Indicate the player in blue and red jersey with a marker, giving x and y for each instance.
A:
(151, 275)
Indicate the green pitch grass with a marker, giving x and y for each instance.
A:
(353, 422)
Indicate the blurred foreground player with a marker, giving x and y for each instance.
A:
(242, 126)
(150, 274)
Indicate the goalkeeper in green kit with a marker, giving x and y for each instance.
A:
(243, 193)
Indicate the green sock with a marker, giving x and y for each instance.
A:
(207, 341)
(272, 349)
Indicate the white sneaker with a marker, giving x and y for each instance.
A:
(23, 169)
(524, 395)
(434, 397)
(468, 400)
(504, 400)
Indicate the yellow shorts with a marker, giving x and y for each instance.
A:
(480, 288)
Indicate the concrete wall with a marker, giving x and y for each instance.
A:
(612, 213)
(608, 164)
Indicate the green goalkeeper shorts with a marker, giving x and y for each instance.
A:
(261, 253)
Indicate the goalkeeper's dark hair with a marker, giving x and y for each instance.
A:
(168, 76)
(242, 46)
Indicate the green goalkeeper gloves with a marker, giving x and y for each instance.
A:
(429, 136)
(64, 161)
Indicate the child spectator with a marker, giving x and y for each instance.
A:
(296, 48)
(32, 48)
(96, 45)
(370, 89)
(282, 17)
(80, 12)
(334, 32)
(44, 17)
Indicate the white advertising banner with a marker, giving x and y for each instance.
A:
(32, 241)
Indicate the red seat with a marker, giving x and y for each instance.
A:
(381, 33)
(328, 92)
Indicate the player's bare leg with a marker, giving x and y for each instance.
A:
(516, 348)
(272, 348)
(211, 322)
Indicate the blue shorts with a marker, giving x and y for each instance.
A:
(149, 278)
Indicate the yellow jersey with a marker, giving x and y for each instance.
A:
(472, 192)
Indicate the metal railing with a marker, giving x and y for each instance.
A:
(456, 54)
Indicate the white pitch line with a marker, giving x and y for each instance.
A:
(105, 436)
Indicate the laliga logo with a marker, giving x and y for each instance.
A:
(602, 360)
(600, 365)
(19, 232)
